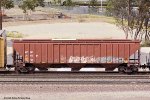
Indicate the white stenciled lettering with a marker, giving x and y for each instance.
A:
(92, 59)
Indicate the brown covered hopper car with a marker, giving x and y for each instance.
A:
(76, 54)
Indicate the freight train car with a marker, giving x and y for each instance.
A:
(3, 50)
(76, 54)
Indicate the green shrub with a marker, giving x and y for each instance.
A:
(146, 43)
(14, 34)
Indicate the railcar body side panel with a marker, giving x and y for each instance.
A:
(76, 51)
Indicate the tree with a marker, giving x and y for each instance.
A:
(93, 6)
(29, 5)
(59, 2)
(40, 3)
(55, 1)
(93, 3)
(7, 4)
(146, 44)
(68, 3)
(132, 16)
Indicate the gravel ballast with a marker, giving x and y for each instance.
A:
(76, 92)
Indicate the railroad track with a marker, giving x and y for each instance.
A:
(75, 75)
(61, 76)
(74, 78)
(76, 81)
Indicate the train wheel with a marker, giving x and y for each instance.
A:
(30, 69)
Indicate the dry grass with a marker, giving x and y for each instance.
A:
(90, 18)
(74, 18)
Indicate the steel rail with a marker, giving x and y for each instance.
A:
(77, 75)
(85, 82)
(69, 78)
(74, 77)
